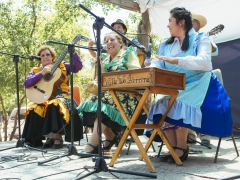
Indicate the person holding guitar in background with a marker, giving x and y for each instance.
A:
(199, 22)
(50, 117)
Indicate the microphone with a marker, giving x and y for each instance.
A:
(32, 57)
(103, 46)
(138, 44)
(147, 61)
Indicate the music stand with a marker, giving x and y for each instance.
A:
(21, 141)
(100, 164)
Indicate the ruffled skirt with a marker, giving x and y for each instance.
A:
(215, 112)
(89, 117)
(111, 117)
(53, 120)
(108, 106)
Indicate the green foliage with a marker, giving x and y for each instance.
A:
(105, 6)
(24, 28)
(85, 75)
(28, 24)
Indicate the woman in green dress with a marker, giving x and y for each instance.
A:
(116, 59)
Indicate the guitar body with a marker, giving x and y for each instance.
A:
(46, 88)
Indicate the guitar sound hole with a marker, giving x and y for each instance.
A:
(48, 77)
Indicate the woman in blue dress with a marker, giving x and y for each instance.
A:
(204, 105)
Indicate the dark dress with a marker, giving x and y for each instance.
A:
(53, 115)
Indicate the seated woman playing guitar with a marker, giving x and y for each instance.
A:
(116, 59)
(49, 118)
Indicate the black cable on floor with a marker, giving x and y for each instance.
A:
(57, 173)
(17, 166)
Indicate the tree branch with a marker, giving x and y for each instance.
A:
(125, 4)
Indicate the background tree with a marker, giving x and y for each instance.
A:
(136, 23)
(26, 26)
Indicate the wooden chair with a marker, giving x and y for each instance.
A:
(76, 94)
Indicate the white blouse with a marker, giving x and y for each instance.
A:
(200, 62)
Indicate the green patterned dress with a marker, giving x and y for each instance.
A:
(125, 60)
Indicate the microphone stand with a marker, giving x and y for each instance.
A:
(21, 141)
(110, 27)
(100, 164)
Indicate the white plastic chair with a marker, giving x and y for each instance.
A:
(218, 73)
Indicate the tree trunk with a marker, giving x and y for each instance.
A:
(1, 120)
(125, 4)
(144, 28)
(16, 121)
(5, 118)
(14, 127)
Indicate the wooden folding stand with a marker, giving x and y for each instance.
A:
(141, 83)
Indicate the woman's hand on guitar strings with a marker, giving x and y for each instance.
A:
(46, 70)
(91, 43)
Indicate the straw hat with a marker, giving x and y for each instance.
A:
(119, 21)
(202, 20)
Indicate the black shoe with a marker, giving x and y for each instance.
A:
(34, 143)
(111, 143)
(58, 146)
(49, 142)
(85, 154)
(182, 158)
(164, 158)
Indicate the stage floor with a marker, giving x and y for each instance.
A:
(198, 166)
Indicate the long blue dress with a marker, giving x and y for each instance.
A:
(203, 106)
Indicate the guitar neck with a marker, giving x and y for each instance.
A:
(56, 64)
(216, 30)
(210, 33)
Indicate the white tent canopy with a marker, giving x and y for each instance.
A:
(217, 12)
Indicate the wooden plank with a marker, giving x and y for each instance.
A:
(139, 78)
(125, 4)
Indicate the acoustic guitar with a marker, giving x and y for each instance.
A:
(46, 88)
(216, 30)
